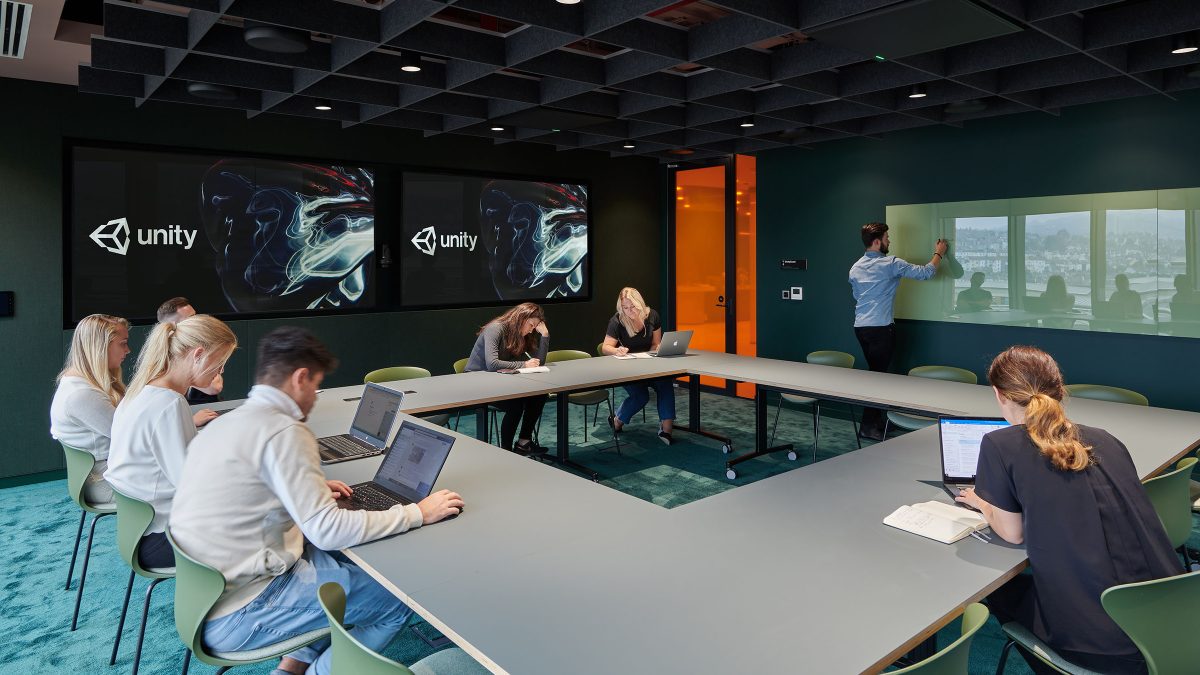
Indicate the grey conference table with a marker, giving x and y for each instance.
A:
(545, 573)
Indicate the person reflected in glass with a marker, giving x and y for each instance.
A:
(1072, 495)
(976, 298)
(1056, 297)
(1185, 304)
(1125, 301)
(637, 328)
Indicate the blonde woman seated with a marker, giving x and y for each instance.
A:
(153, 425)
(637, 328)
(1072, 495)
(89, 388)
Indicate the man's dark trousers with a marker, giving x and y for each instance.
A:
(878, 343)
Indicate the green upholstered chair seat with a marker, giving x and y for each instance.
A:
(395, 373)
(273, 650)
(593, 397)
(953, 659)
(1160, 617)
(948, 373)
(910, 422)
(1100, 392)
(453, 661)
(798, 399)
(1024, 637)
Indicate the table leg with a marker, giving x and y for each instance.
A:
(693, 426)
(562, 454)
(760, 435)
(481, 423)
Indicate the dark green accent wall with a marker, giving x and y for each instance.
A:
(813, 202)
(626, 216)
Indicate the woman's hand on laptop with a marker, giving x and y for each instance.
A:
(440, 505)
(340, 490)
(204, 417)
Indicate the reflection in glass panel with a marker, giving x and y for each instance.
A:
(981, 247)
(1057, 265)
(1130, 262)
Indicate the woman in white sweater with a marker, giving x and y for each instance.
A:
(89, 388)
(153, 425)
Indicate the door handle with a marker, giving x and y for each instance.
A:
(720, 301)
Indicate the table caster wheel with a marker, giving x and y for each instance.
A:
(792, 455)
(725, 449)
(730, 474)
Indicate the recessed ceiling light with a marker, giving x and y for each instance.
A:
(213, 92)
(410, 62)
(917, 91)
(1184, 44)
(746, 123)
(323, 104)
(568, 2)
(628, 145)
(497, 128)
(879, 58)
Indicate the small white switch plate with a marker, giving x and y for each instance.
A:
(787, 294)
(797, 293)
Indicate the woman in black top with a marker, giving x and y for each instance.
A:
(637, 328)
(517, 338)
(1072, 495)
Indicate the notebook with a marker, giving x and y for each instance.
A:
(936, 520)
(673, 343)
(407, 473)
(960, 438)
(373, 422)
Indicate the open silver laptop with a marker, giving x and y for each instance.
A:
(373, 422)
(673, 343)
(960, 438)
(407, 473)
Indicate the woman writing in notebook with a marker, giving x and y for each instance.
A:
(153, 425)
(637, 328)
(518, 338)
(1072, 495)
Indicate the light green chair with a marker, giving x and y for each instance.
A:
(197, 588)
(953, 659)
(1100, 392)
(1020, 635)
(396, 373)
(818, 358)
(914, 422)
(350, 656)
(133, 519)
(593, 397)
(79, 466)
(1169, 492)
(1160, 617)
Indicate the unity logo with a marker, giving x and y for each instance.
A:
(427, 241)
(113, 236)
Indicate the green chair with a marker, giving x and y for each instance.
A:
(1160, 617)
(584, 398)
(1020, 635)
(79, 466)
(818, 358)
(612, 391)
(133, 519)
(197, 589)
(953, 659)
(1100, 392)
(1169, 492)
(350, 656)
(914, 422)
(396, 373)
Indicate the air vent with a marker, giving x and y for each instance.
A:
(14, 28)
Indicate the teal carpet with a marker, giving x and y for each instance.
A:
(42, 522)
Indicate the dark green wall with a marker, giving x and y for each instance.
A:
(813, 202)
(626, 198)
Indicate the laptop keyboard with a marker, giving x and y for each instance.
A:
(367, 497)
(342, 446)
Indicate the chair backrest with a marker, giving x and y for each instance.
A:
(79, 466)
(395, 373)
(1170, 494)
(461, 365)
(600, 349)
(1102, 392)
(826, 357)
(133, 518)
(197, 589)
(566, 355)
(949, 373)
(349, 655)
(953, 659)
(1160, 617)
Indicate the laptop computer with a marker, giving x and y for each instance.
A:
(373, 422)
(960, 438)
(673, 343)
(407, 473)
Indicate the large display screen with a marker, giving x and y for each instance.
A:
(235, 235)
(474, 241)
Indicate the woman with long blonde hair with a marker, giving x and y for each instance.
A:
(1072, 495)
(518, 338)
(637, 328)
(89, 388)
(153, 424)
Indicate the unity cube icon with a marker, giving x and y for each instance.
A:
(113, 236)
(426, 241)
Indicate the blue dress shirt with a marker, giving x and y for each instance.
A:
(874, 279)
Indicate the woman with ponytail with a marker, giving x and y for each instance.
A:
(1072, 495)
(89, 388)
(153, 424)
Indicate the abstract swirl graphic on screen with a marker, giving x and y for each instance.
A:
(304, 240)
(535, 236)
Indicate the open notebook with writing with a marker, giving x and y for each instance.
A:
(937, 520)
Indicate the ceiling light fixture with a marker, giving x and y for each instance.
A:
(212, 92)
(275, 39)
(568, 2)
(917, 91)
(1184, 44)
(628, 145)
(746, 123)
(410, 62)
(323, 104)
(497, 128)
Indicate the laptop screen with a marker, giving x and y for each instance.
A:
(960, 438)
(414, 461)
(376, 414)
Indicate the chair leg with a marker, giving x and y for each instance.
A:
(816, 428)
(112, 660)
(616, 437)
(886, 425)
(87, 555)
(775, 425)
(457, 414)
(137, 656)
(1004, 656)
(187, 661)
(223, 669)
(75, 552)
(585, 424)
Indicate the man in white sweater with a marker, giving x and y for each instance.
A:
(254, 503)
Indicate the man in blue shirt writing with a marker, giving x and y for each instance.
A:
(874, 280)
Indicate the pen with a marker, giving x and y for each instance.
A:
(527, 356)
(980, 537)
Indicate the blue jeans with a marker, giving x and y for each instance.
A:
(288, 606)
(639, 395)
